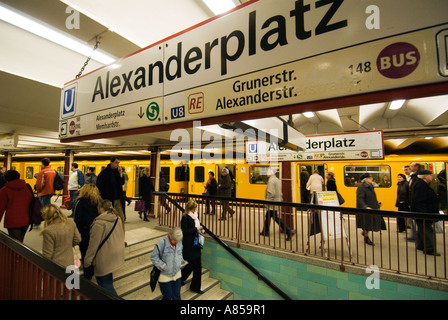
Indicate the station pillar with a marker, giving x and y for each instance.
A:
(287, 183)
(154, 174)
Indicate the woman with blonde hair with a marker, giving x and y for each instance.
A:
(106, 246)
(84, 212)
(60, 235)
(190, 227)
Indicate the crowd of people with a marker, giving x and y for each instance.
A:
(98, 218)
(97, 226)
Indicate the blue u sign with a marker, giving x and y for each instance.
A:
(253, 147)
(68, 101)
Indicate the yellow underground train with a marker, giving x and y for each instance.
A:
(250, 179)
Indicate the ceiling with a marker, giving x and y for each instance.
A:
(33, 71)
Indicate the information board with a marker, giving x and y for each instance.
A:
(346, 146)
(266, 54)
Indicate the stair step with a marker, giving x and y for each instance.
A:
(132, 280)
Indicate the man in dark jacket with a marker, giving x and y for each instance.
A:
(424, 199)
(225, 190)
(110, 182)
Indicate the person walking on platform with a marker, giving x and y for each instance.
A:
(331, 186)
(167, 257)
(107, 230)
(75, 182)
(15, 200)
(212, 190)
(315, 184)
(366, 199)
(44, 182)
(2, 177)
(91, 176)
(145, 190)
(225, 190)
(424, 199)
(110, 182)
(414, 169)
(304, 192)
(273, 192)
(85, 211)
(402, 202)
(190, 226)
(60, 235)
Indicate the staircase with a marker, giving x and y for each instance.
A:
(132, 281)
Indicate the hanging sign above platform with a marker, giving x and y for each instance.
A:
(349, 146)
(265, 54)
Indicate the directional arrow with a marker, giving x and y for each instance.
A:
(141, 114)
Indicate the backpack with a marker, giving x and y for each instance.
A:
(58, 183)
(34, 210)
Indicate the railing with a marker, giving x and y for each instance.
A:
(27, 275)
(338, 238)
(166, 199)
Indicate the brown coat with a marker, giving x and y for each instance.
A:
(59, 240)
(111, 255)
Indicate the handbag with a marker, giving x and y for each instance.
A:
(34, 210)
(340, 199)
(89, 271)
(140, 206)
(155, 273)
(199, 240)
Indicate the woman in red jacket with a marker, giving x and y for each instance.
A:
(15, 199)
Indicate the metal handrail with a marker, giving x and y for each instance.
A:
(87, 289)
(230, 250)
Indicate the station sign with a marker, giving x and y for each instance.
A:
(348, 146)
(265, 54)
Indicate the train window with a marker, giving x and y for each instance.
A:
(181, 173)
(259, 174)
(165, 173)
(199, 174)
(381, 175)
(29, 172)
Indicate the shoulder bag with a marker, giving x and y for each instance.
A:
(155, 273)
(89, 271)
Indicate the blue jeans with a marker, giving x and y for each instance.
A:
(171, 290)
(107, 282)
(45, 200)
(73, 196)
(273, 214)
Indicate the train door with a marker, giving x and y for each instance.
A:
(199, 177)
(304, 171)
(180, 182)
(232, 173)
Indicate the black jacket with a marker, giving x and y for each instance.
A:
(424, 198)
(190, 252)
(110, 184)
(366, 197)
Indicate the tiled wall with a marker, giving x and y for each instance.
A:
(300, 280)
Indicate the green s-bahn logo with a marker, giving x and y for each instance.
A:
(152, 111)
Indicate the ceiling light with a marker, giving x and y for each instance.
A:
(397, 104)
(428, 138)
(219, 6)
(308, 114)
(46, 32)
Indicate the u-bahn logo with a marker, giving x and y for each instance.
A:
(69, 101)
(252, 147)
